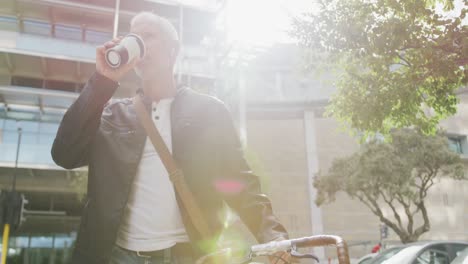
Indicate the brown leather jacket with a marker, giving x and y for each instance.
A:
(107, 136)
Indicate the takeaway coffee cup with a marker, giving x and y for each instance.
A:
(131, 46)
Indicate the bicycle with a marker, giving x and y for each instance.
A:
(291, 245)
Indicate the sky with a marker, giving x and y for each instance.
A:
(264, 22)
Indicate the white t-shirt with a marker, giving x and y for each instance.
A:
(152, 219)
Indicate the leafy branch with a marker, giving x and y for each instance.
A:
(394, 177)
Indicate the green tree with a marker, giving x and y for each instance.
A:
(394, 176)
(399, 61)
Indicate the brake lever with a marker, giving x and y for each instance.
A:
(299, 255)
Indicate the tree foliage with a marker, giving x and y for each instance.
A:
(397, 59)
(394, 176)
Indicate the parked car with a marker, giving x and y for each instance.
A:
(386, 254)
(366, 259)
(440, 252)
(462, 257)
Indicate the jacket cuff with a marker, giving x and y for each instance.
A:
(103, 87)
(96, 93)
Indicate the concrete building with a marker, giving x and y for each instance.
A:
(291, 137)
(47, 52)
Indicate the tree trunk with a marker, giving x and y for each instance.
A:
(409, 239)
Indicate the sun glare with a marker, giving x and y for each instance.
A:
(261, 22)
(265, 22)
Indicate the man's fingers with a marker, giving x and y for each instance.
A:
(116, 40)
(113, 42)
(101, 48)
(109, 44)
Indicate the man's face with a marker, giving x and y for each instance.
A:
(159, 55)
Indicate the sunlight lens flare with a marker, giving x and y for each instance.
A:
(229, 186)
(261, 22)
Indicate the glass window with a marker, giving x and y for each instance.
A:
(28, 138)
(433, 256)
(51, 248)
(458, 248)
(98, 37)
(389, 253)
(46, 139)
(26, 81)
(9, 124)
(36, 27)
(455, 144)
(10, 137)
(68, 32)
(461, 257)
(8, 23)
(366, 261)
(36, 141)
(29, 126)
(48, 128)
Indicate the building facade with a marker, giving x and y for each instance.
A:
(47, 50)
(47, 53)
(293, 139)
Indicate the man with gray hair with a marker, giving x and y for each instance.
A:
(132, 213)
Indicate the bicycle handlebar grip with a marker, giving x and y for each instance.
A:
(271, 247)
(326, 240)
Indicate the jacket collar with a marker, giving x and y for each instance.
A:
(181, 89)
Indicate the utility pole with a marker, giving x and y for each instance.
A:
(12, 206)
(115, 30)
(383, 233)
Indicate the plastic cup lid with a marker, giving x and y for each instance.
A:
(113, 58)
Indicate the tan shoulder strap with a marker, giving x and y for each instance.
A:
(176, 175)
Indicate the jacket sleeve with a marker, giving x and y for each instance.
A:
(253, 207)
(80, 123)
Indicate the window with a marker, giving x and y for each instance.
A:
(433, 256)
(459, 250)
(49, 84)
(36, 27)
(68, 32)
(456, 144)
(26, 81)
(97, 37)
(63, 86)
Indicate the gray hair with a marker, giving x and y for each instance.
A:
(164, 24)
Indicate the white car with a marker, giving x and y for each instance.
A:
(386, 254)
(366, 259)
(462, 257)
(440, 252)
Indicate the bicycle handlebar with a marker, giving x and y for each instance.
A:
(312, 241)
(326, 240)
(270, 248)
